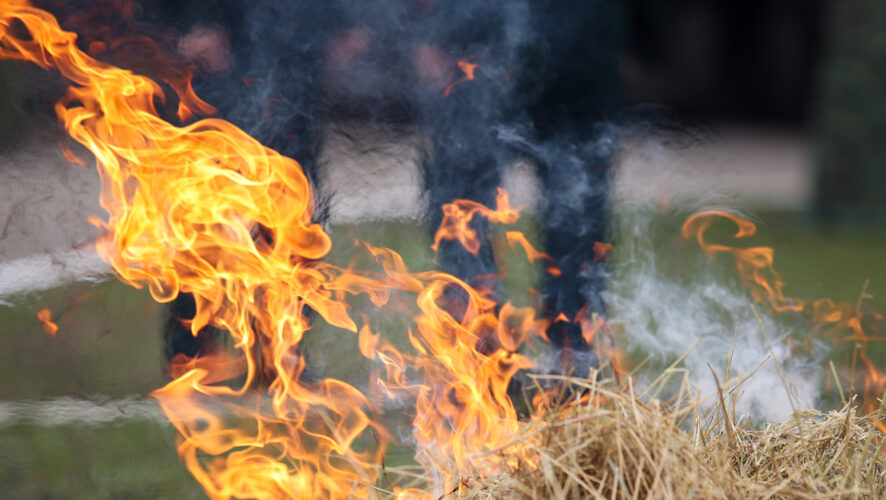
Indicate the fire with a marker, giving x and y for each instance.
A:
(458, 215)
(45, 318)
(754, 264)
(205, 209)
(70, 155)
(875, 381)
(517, 239)
(840, 321)
(602, 251)
(466, 67)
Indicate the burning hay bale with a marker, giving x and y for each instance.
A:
(612, 443)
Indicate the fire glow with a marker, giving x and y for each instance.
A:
(205, 209)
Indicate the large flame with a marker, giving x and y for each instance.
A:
(205, 209)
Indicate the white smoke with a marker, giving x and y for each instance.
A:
(665, 294)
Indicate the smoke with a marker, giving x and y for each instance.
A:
(326, 72)
(662, 294)
(665, 294)
(546, 80)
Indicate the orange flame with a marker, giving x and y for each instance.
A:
(602, 251)
(458, 215)
(841, 321)
(754, 263)
(875, 381)
(205, 209)
(468, 69)
(518, 239)
(45, 318)
(113, 31)
(164, 233)
(70, 155)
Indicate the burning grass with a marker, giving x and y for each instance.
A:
(205, 209)
(609, 442)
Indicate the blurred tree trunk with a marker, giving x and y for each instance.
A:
(851, 122)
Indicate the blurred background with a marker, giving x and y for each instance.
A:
(785, 105)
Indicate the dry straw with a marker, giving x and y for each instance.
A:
(605, 441)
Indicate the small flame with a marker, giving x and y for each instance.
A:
(45, 318)
(70, 155)
(875, 381)
(840, 321)
(468, 69)
(518, 239)
(458, 215)
(754, 263)
(602, 251)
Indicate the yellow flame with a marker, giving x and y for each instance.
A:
(205, 209)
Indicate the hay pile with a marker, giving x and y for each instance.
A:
(608, 442)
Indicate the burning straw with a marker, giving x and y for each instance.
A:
(609, 442)
(605, 441)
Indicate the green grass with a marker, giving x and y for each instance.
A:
(108, 343)
(827, 262)
(129, 460)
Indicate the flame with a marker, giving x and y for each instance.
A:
(458, 215)
(840, 321)
(754, 263)
(70, 155)
(602, 251)
(112, 30)
(517, 239)
(45, 318)
(468, 69)
(205, 209)
(163, 233)
(875, 381)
